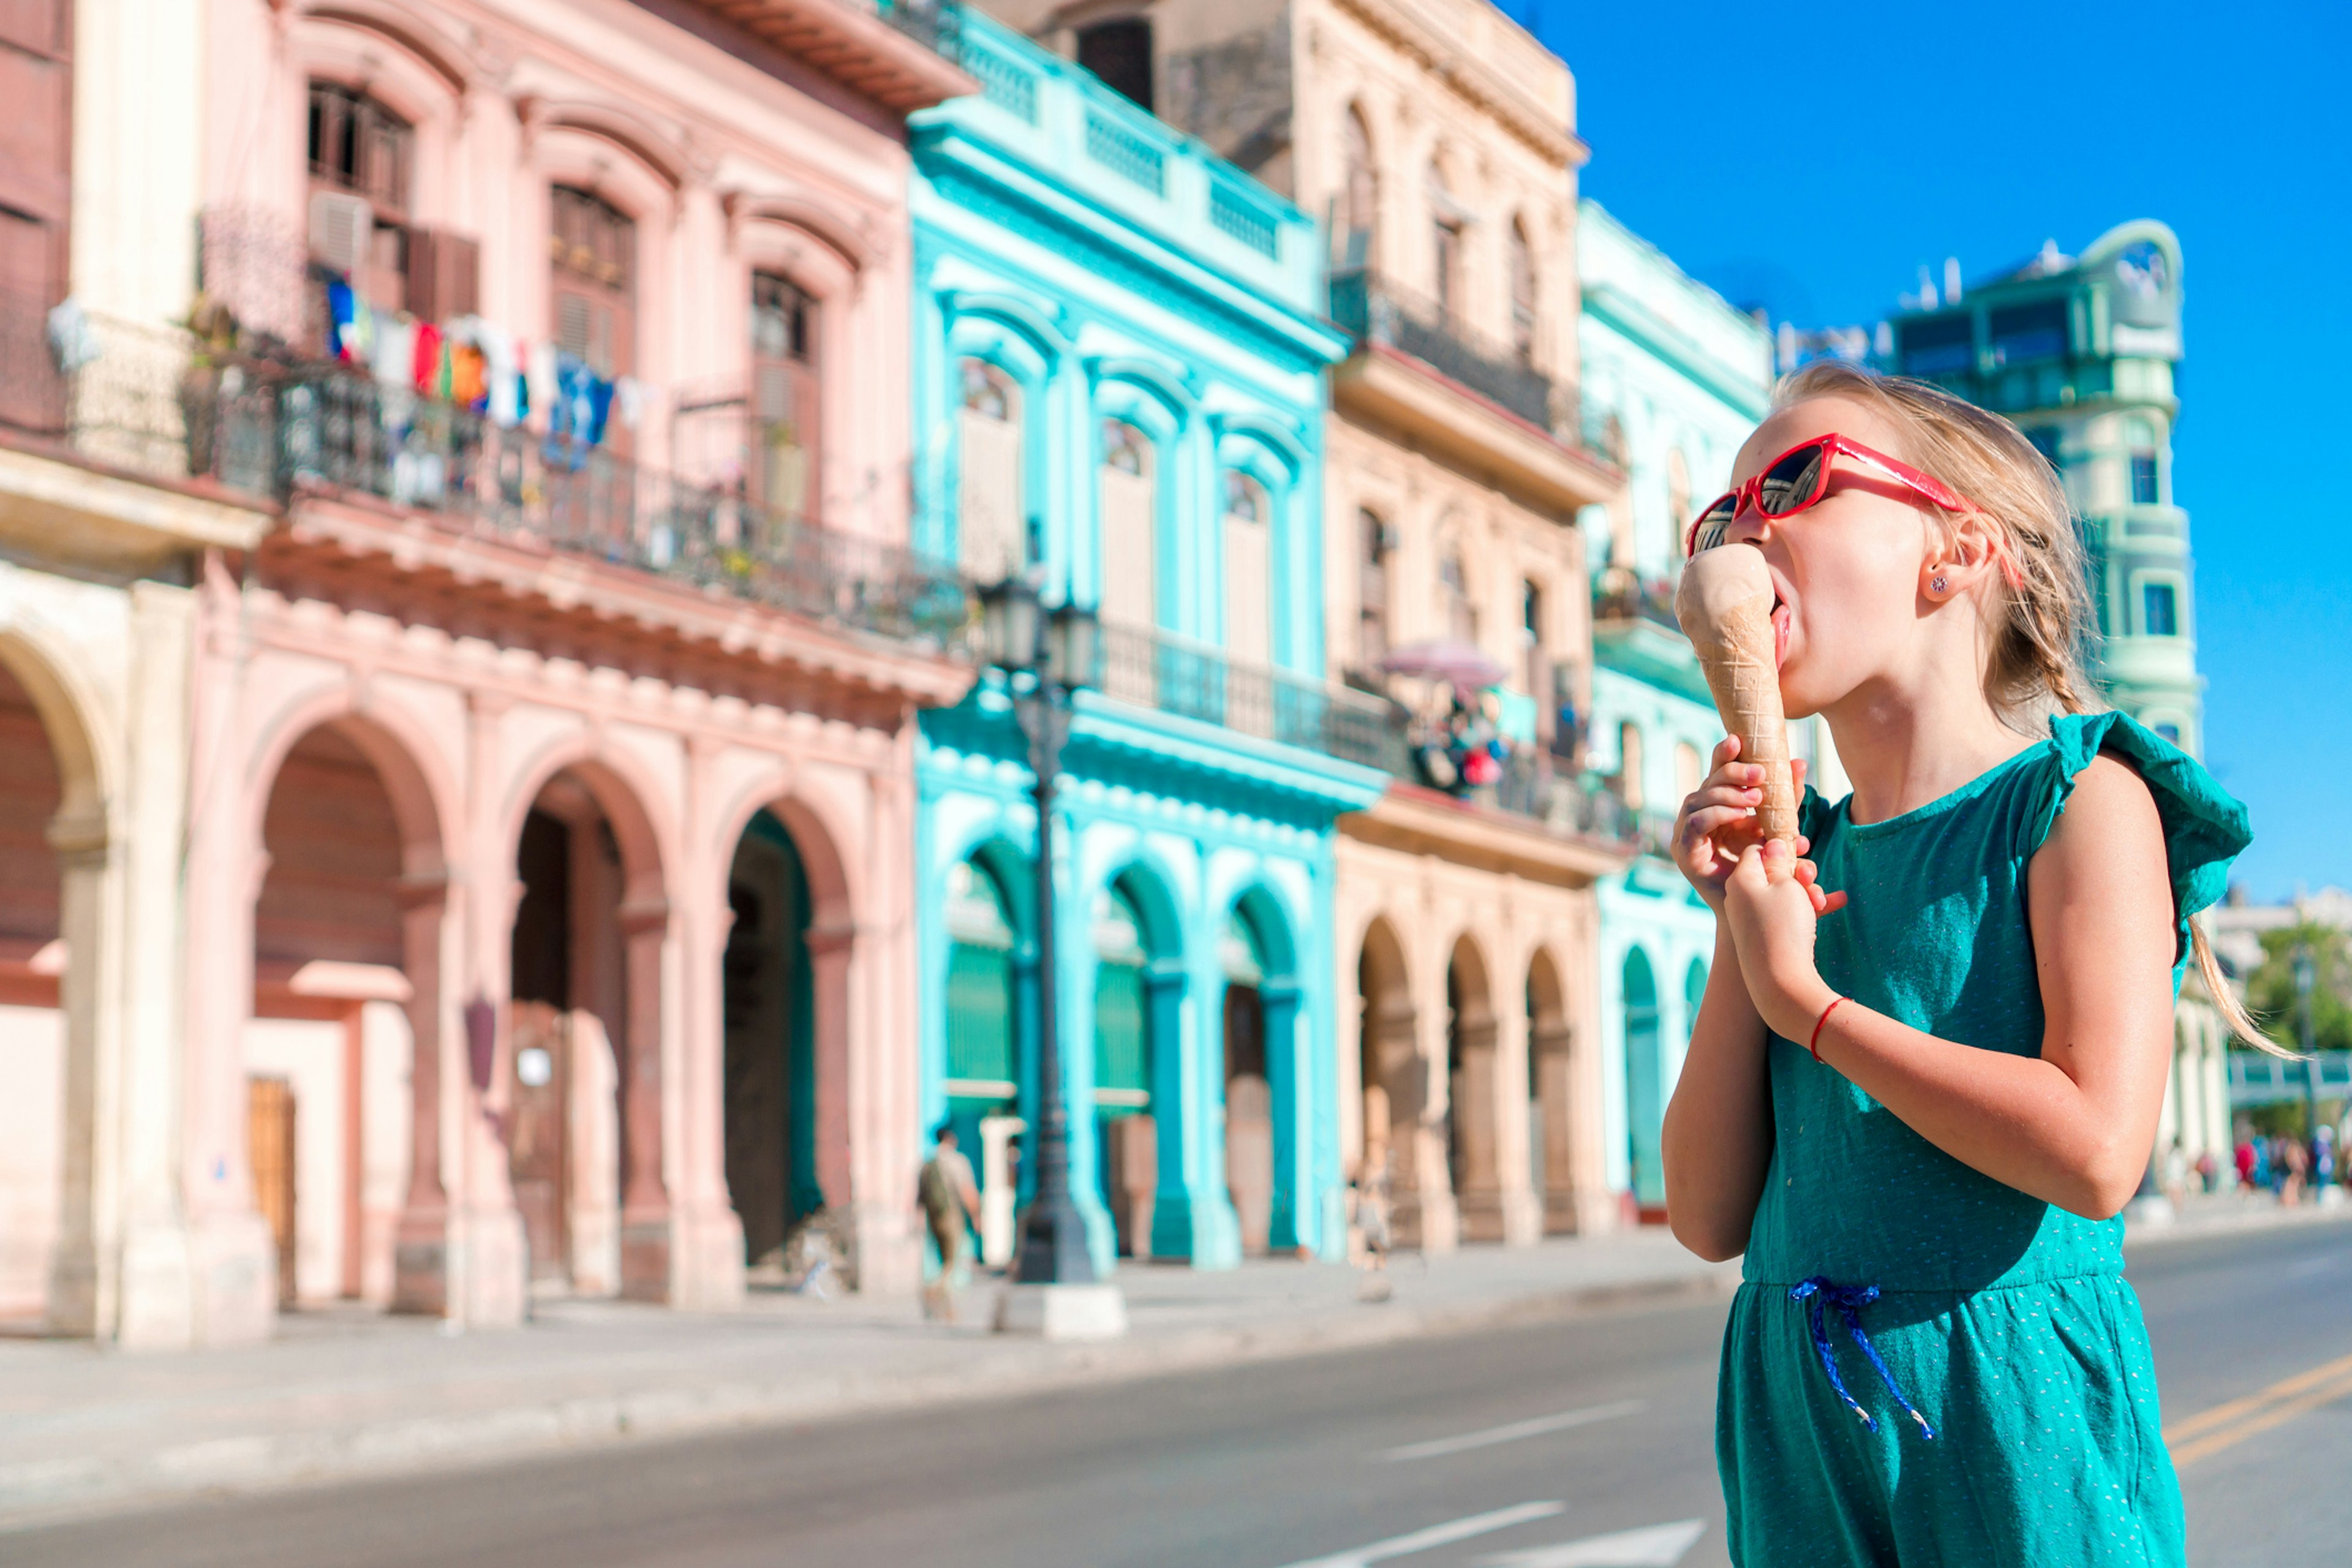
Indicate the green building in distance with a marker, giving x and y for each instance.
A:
(2081, 352)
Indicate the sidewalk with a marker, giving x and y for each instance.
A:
(352, 1393)
(342, 1393)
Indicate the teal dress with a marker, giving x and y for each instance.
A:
(1924, 1365)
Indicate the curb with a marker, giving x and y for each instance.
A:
(56, 1491)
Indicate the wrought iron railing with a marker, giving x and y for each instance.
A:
(1651, 601)
(168, 405)
(1533, 786)
(1151, 670)
(936, 24)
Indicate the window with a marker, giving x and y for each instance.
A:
(782, 466)
(1446, 236)
(1939, 346)
(1359, 203)
(1678, 502)
(1130, 548)
(1373, 591)
(594, 247)
(2171, 733)
(1523, 293)
(2158, 611)
(359, 148)
(991, 536)
(2045, 441)
(2147, 471)
(1119, 52)
(1531, 637)
(1454, 588)
(2021, 334)
(1249, 561)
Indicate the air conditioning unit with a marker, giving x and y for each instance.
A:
(341, 229)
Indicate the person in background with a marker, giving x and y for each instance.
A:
(2209, 1172)
(951, 1199)
(2297, 1167)
(2176, 1175)
(2322, 1158)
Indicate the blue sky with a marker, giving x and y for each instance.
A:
(1811, 163)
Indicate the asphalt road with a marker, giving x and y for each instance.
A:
(1582, 1444)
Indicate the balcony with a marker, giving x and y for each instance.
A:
(905, 55)
(1456, 759)
(1419, 367)
(1169, 675)
(1637, 600)
(165, 408)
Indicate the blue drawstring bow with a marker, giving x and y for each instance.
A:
(1848, 1299)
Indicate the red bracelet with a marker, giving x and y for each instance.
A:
(1814, 1044)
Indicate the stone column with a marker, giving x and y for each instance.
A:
(707, 1237)
(1480, 1201)
(1174, 1124)
(1522, 1211)
(421, 1241)
(1554, 1045)
(644, 1201)
(488, 1274)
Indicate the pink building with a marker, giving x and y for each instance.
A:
(544, 721)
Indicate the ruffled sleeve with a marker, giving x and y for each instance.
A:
(2205, 827)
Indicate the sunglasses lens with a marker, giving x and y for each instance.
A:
(1714, 523)
(1790, 484)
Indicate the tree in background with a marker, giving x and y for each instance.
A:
(2271, 989)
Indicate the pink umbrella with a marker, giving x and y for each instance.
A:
(1463, 665)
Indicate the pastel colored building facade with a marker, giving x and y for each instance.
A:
(1687, 378)
(1436, 145)
(1119, 393)
(504, 415)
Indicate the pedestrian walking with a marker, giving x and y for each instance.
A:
(1905, 1111)
(2176, 1175)
(2208, 1173)
(2322, 1158)
(2248, 1160)
(950, 1198)
(2296, 1164)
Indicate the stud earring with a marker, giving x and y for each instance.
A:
(1935, 586)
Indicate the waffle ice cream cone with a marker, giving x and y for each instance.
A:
(1725, 605)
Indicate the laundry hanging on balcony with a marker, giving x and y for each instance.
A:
(576, 418)
(350, 323)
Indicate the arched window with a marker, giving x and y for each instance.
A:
(1130, 547)
(1523, 293)
(783, 469)
(1445, 243)
(1628, 764)
(990, 531)
(1372, 590)
(1360, 197)
(1119, 52)
(1249, 566)
(595, 249)
(1531, 636)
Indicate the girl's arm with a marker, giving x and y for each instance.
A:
(1717, 1138)
(2072, 1127)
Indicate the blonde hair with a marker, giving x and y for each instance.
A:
(2042, 618)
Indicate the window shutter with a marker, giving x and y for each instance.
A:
(1129, 551)
(989, 528)
(444, 275)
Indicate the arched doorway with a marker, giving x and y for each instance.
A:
(990, 969)
(1126, 1066)
(580, 1079)
(1270, 1191)
(1393, 1082)
(33, 1063)
(1470, 1086)
(1551, 1167)
(770, 1066)
(342, 1110)
(1644, 1089)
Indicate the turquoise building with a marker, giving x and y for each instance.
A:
(1118, 360)
(1686, 377)
(2080, 351)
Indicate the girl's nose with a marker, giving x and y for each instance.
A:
(1749, 525)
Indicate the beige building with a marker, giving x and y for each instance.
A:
(1435, 137)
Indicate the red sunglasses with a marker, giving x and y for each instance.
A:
(1799, 477)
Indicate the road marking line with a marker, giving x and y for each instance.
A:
(1462, 1443)
(2228, 1424)
(1658, 1546)
(2221, 1414)
(1436, 1535)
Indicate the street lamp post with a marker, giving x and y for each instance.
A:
(2305, 976)
(1047, 655)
